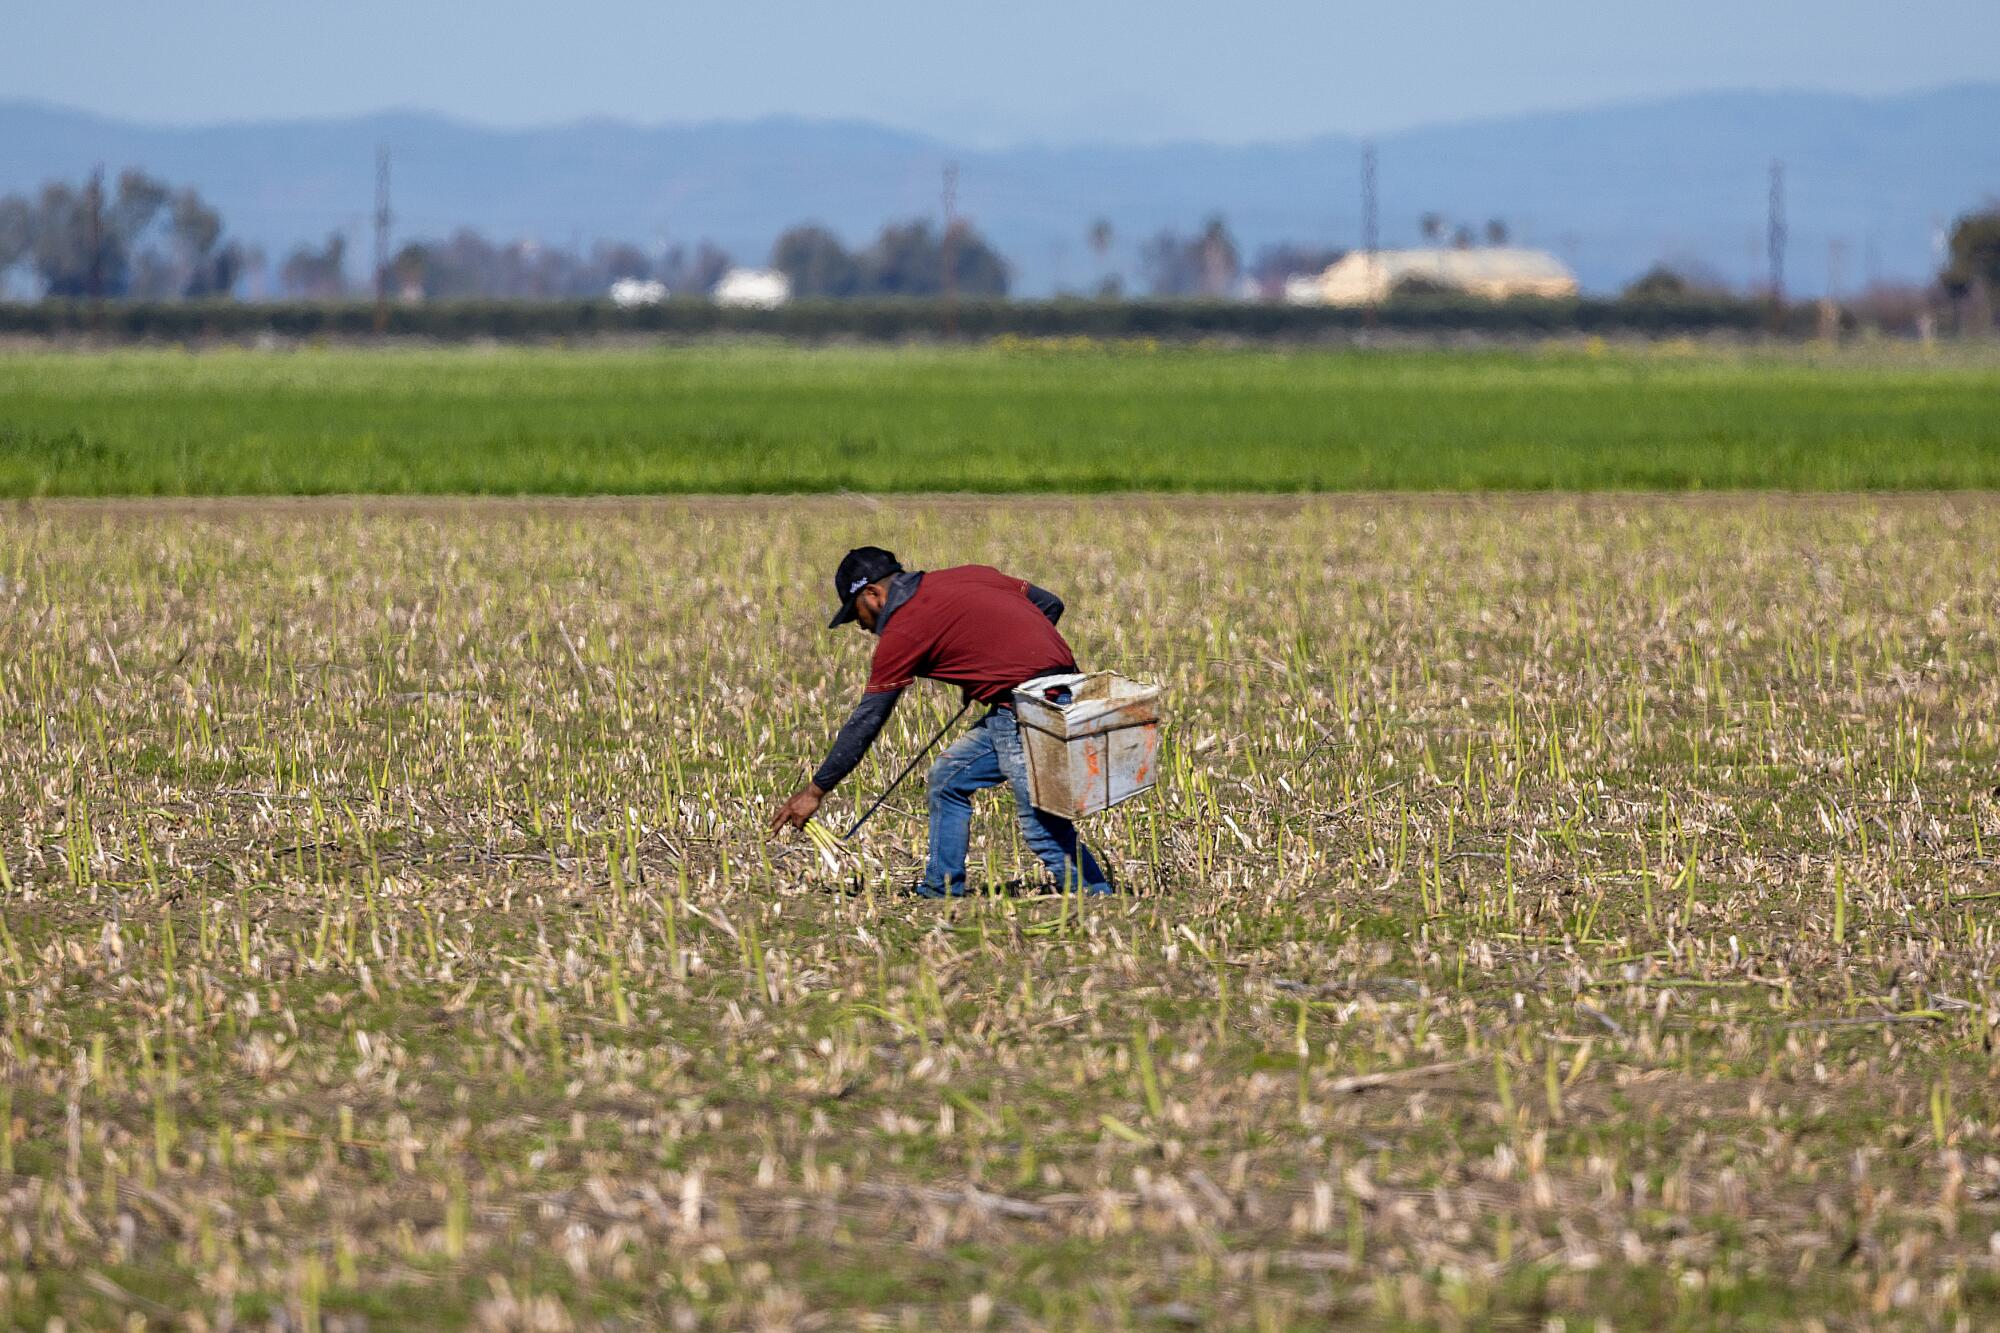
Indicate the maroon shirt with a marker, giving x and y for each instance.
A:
(973, 627)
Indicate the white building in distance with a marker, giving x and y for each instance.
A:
(763, 288)
(1494, 273)
(627, 293)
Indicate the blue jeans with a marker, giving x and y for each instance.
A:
(987, 756)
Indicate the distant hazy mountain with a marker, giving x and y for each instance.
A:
(1869, 182)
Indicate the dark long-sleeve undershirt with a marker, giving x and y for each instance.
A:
(865, 723)
(1047, 603)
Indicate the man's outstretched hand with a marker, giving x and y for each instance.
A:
(798, 809)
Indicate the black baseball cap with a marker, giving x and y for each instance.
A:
(858, 568)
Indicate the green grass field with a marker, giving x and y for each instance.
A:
(994, 419)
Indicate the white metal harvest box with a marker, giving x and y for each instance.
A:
(1094, 751)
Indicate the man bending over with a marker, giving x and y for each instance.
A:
(986, 633)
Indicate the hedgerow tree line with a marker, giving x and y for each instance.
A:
(141, 239)
(146, 240)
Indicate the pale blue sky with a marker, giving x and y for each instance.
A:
(1020, 70)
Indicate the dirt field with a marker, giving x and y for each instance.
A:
(1572, 910)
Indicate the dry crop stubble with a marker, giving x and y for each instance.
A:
(1551, 908)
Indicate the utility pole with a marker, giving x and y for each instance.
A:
(381, 239)
(1369, 222)
(94, 279)
(948, 249)
(1774, 241)
(1829, 306)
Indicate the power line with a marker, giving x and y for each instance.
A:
(1775, 234)
(1369, 237)
(1369, 223)
(1829, 306)
(947, 249)
(383, 221)
(95, 280)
